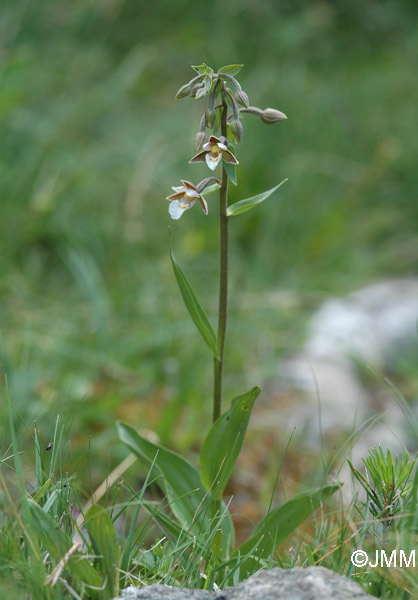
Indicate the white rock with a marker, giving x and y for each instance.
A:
(370, 327)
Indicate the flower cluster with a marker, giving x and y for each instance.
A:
(215, 151)
(186, 195)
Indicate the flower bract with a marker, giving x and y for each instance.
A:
(213, 152)
(185, 197)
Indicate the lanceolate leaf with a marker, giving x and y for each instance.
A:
(230, 69)
(223, 444)
(231, 171)
(103, 539)
(243, 205)
(180, 481)
(279, 523)
(195, 309)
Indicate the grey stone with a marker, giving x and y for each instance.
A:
(371, 324)
(373, 327)
(166, 592)
(313, 583)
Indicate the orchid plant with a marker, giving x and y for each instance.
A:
(195, 496)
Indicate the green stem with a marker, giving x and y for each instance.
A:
(223, 279)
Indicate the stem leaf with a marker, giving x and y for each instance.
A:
(243, 205)
(224, 442)
(230, 69)
(274, 528)
(194, 307)
(231, 171)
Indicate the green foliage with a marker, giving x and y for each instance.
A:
(231, 69)
(107, 553)
(91, 327)
(223, 443)
(180, 481)
(390, 486)
(231, 171)
(194, 307)
(195, 506)
(58, 543)
(243, 205)
(278, 524)
(202, 69)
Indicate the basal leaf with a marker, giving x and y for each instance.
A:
(243, 205)
(224, 442)
(279, 523)
(103, 539)
(231, 69)
(194, 307)
(189, 501)
(177, 535)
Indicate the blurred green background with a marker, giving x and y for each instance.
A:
(93, 327)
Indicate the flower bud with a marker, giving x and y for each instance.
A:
(242, 98)
(271, 115)
(210, 118)
(184, 90)
(195, 89)
(200, 92)
(199, 140)
(236, 129)
(189, 87)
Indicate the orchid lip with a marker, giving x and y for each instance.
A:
(185, 197)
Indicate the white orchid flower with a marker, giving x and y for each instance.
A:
(213, 152)
(185, 197)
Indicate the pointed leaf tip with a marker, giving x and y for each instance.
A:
(243, 205)
(224, 441)
(230, 69)
(194, 307)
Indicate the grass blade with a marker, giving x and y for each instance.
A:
(57, 542)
